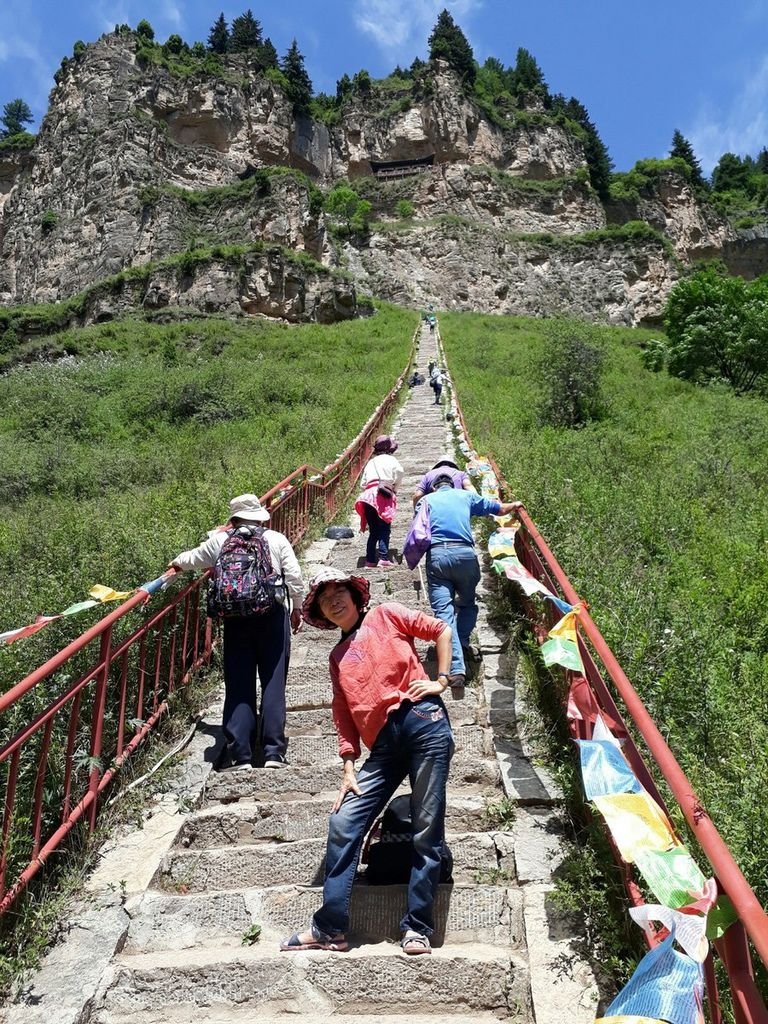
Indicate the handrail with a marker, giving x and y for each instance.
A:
(733, 948)
(77, 743)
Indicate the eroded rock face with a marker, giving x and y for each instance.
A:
(696, 231)
(610, 282)
(99, 193)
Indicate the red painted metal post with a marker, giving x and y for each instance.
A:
(97, 730)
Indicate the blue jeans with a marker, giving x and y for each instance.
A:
(453, 573)
(378, 536)
(416, 742)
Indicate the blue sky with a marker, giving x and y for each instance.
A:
(641, 70)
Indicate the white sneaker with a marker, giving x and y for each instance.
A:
(245, 766)
(278, 761)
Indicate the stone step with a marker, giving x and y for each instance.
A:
(287, 821)
(324, 750)
(365, 981)
(477, 857)
(314, 718)
(234, 1014)
(468, 772)
(463, 914)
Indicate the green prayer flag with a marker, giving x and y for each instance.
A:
(562, 652)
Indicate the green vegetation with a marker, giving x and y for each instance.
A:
(642, 180)
(718, 329)
(22, 141)
(657, 512)
(46, 319)
(128, 449)
(354, 213)
(683, 150)
(257, 186)
(447, 42)
(16, 114)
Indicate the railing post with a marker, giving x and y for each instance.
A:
(97, 726)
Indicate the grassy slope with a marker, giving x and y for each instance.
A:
(113, 460)
(658, 514)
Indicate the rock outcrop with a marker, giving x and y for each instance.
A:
(461, 267)
(135, 163)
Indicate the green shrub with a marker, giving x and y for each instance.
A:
(569, 371)
(48, 221)
(404, 209)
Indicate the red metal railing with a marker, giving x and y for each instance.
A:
(752, 924)
(59, 758)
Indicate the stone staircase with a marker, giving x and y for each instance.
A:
(251, 854)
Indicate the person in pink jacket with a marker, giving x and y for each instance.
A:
(383, 697)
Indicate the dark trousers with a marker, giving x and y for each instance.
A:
(378, 535)
(262, 644)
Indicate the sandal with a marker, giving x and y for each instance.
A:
(335, 943)
(414, 944)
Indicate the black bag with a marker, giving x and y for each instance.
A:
(244, 582)
(388, 853)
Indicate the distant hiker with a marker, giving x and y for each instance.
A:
(436, 382)
(453, 571)
(382, 696)
(377, 505)
(415, 379)
(461, 480)
(255, 605)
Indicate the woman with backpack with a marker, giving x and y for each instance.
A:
(382, 696)
(257, 589)
(377, 505)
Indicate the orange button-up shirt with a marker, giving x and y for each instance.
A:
(373, 667)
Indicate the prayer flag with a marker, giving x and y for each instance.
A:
(636, 823)
(102, 594)
(667, 985)
(604, 769)
(672, 875)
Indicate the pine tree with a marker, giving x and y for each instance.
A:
(343, 88)
(449, 43)
(762, 161)
(730, 174)
(299, 82)
(527, 76)
(268, 55)
(15, 115)
(682, 149)
(218, 37)
(246, 33)
(595, 150)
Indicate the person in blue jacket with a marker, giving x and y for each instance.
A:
(453, 571)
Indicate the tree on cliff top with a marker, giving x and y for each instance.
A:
(16, 114)
(246, 33)
(682, 148)
(218, 37)
(595, 150)
(299, 82)
(527, 76)
(447, 42)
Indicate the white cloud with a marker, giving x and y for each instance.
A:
(399, 27)
(741, 127)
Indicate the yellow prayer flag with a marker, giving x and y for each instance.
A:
(101, 593)
(565, 629)
(623, 1019)
(636, 823)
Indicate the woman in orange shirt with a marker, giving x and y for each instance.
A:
(382, 696)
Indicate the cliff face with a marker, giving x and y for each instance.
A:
(696, 231)
(134, 164)
(610, 282)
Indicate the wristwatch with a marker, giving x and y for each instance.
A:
(443, 675)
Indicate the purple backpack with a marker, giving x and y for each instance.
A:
(243, 582)
(419, 537)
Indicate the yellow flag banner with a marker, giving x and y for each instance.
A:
(636, 822)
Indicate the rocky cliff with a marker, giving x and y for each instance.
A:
(135, 163)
